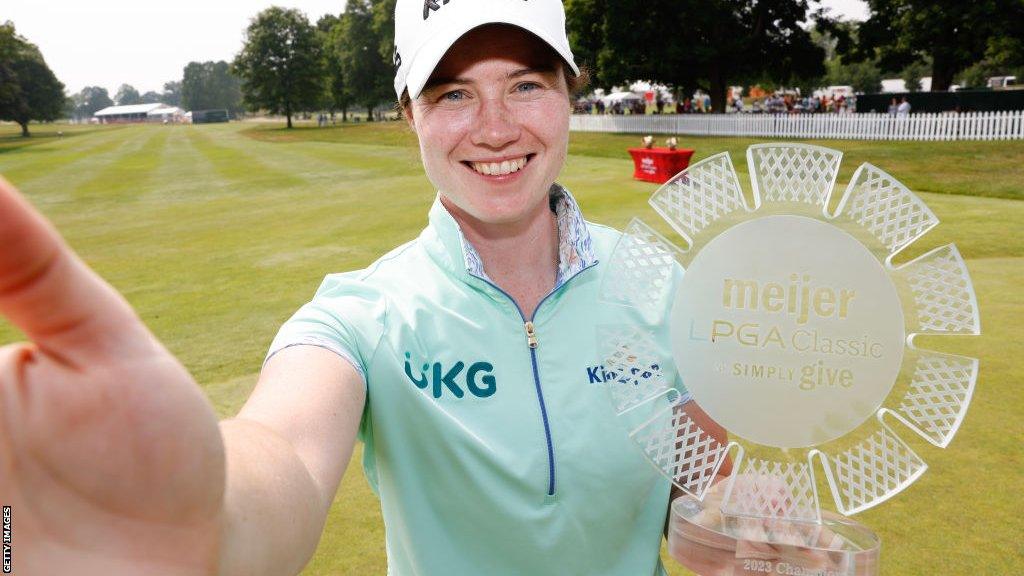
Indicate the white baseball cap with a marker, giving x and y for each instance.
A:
(426, 29)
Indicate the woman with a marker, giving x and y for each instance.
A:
(461, 359)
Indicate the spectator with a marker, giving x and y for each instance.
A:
(893, 105)
(903, 110)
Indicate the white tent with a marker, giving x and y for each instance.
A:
(621, 97)
(138, 113)
(127, 110)
(165, 113)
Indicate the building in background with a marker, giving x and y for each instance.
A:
(139, 113)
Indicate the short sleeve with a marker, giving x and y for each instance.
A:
(345, 316)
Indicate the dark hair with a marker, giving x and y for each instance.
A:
(576, 85)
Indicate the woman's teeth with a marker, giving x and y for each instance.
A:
(499, 168)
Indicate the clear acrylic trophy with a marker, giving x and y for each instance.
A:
(794, 331)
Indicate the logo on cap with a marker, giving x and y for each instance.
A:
(429, 5)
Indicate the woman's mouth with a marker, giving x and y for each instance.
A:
(503, 168)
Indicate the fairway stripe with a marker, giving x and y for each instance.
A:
(240, 166)
(346, 160)
(183, 172)
(24, 165)
(60, 185)
(129, 174)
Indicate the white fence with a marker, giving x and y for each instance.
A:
(949, 126)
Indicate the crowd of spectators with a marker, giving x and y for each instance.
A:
(776, 103)
(795, 104)
(701, 103)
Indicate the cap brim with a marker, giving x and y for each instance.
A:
(434, 49)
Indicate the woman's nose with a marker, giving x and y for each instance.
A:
(496, 125)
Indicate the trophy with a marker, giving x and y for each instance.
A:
(786, 320)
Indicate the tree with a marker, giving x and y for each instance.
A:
(366, 71)
(172, 93)
(953, 34)
(127, 94)
(28, 88)
(70, 105)
(913, 74)
(281, 63)
(90, 100)
(150, 97)
(384, 27)
(206, 85)
(337, 95)
(1004, 56)
(585, 21)
(707, 44)
(865, 75)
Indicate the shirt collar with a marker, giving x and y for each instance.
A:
(450, 248)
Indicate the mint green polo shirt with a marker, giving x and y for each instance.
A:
(489, 455)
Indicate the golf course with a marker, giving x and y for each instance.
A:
(217, 233)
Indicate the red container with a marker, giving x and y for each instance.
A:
(658, 165)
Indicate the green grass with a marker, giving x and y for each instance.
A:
(983, 168)
(217, 233)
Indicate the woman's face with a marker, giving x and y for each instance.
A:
(493, 125)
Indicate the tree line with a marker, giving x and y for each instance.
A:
(28, 88)
(286, 66)
(712, 44)
(289, 65)
(204, 86)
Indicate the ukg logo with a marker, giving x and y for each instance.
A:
(478, 379)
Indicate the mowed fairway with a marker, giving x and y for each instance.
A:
(217, 233)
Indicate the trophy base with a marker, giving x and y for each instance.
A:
(711, 543)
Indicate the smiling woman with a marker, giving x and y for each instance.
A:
(503, 280)
(457, 358)
(497, 100)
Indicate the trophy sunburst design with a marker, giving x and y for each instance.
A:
(792, 328)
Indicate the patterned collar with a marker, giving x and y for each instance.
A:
(575, 251)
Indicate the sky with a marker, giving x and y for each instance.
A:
(143, 43)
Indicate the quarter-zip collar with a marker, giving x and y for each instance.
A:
(447, 245)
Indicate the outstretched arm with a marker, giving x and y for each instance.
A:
(111, 457)
(286, 453)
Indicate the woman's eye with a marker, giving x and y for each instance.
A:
(453, 96)
(527, 87)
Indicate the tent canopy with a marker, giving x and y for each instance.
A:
(621, 97)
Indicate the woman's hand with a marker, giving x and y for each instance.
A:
(110, 456)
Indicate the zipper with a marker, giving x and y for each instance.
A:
(532, 343)
(531, 336)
